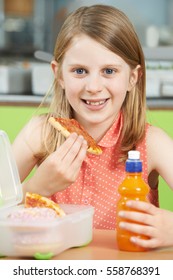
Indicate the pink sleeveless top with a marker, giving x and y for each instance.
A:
(99, 178)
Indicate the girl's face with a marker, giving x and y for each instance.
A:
(95, 81)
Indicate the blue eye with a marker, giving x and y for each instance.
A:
(109, 71)
(80, 71)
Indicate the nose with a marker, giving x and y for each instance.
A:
(94, 83)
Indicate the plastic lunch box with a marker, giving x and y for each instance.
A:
(32, 239)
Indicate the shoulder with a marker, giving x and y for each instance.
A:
(159, 146)
(31, 134)
(36, 121)
(34, 127)
(157, 135)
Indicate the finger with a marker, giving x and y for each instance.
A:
(138, 229)
(76, 164)
(62, 150)
(82, 152)
(142, 206)
(76, 150)
(71, 169)
(136, 217)
(145, 243)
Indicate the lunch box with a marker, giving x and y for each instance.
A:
(43, 239)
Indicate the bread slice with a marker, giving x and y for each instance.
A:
(68, 126)
(36, 200)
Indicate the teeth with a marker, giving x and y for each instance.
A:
(96, 103)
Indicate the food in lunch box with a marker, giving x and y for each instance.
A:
(31, 231)
(36, 200)
(32, 214)
(68, 126)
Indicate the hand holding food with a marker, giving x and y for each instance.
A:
(60, 168)
(68, 126)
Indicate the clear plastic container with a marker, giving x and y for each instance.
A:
(10, 185)
(29, 238)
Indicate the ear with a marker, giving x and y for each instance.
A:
(134, 76)
(55, 67)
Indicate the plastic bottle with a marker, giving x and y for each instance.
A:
(133, 187)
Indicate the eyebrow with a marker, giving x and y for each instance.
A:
(102, 66)
(112, 65)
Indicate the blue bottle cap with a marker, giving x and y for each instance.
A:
(133, 163)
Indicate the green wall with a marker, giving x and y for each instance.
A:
(12, 119)
(163, 119)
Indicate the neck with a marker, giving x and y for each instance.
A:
(97, 130)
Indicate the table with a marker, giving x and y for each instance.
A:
(103, 247)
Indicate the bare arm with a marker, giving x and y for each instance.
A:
(26, 144)
(58, 170)
(160, 154)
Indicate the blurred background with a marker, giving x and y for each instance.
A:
(30, 27)
(28, 30)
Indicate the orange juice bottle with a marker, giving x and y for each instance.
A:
(133, 187)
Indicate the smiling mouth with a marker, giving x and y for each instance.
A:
(95, 103)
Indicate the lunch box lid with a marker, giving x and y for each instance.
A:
(10, 184)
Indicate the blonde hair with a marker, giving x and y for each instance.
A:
(111, 28)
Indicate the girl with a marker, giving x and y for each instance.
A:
(99, 70)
